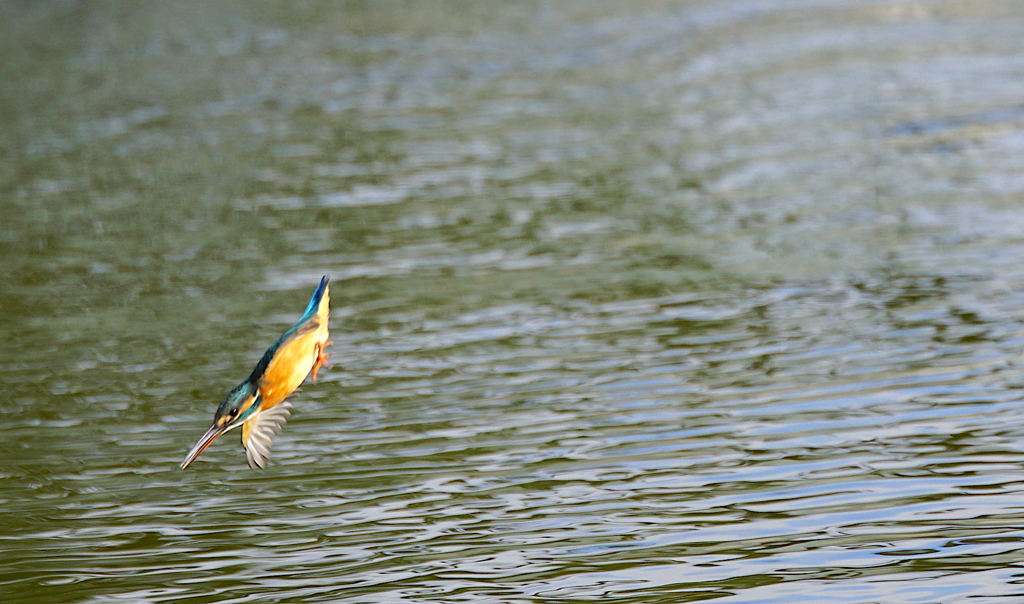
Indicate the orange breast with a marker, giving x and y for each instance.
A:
(292, 363)
(294, 360)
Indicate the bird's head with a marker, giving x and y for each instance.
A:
(237, 408)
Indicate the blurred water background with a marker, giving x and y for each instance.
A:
(668, 301)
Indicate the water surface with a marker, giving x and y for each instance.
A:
(668, 302)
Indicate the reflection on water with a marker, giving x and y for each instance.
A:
(682, 301)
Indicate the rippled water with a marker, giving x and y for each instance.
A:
(656, 302)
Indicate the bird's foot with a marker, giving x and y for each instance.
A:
(321, 358)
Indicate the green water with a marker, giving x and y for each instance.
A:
(658, 302)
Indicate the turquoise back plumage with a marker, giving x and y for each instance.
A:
(314, 302)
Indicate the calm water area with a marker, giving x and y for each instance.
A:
(663, 301)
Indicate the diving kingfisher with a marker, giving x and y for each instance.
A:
(257, 404)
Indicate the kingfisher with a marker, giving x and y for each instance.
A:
(258, 404)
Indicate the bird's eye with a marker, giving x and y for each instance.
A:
(233, 412)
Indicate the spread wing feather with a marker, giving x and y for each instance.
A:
(265, 426)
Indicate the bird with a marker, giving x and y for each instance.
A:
(258, 404)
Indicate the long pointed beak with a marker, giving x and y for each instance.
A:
(206, 440)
